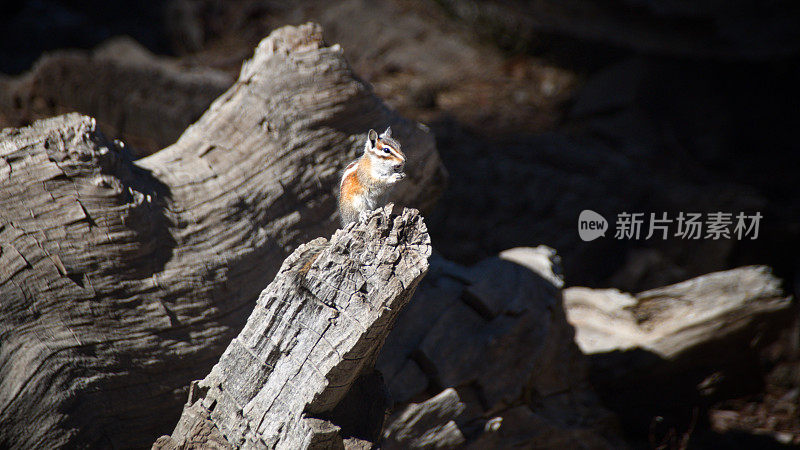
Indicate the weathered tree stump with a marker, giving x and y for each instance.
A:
(120, 282)
(316, 329)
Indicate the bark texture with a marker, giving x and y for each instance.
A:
(315, 332)
(121, 282)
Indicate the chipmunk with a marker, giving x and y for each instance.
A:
(366, 182)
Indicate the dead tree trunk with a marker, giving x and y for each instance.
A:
(120, 283)
(315, 330)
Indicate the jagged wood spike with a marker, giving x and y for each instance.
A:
(316, 328)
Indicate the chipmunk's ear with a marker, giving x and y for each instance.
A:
(372, 137)
(388, 132)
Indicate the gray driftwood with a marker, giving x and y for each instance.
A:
(665, 351)
(120, 282)
(315, 331)
(673, 321)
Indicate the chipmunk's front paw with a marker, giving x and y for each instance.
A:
(395, 177)
(363, 216)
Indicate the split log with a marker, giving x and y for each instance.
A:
(122, 282)
(315, 332)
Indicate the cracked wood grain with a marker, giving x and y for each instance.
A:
(315, 330)
(121, 282)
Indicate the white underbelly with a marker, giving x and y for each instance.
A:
(365, 202)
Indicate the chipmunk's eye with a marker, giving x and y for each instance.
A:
(386, 150)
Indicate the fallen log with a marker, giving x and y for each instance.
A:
(121, 282)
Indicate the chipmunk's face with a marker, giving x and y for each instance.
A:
(384, 152)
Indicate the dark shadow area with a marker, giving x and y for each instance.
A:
(150, 219)
(29, 28)
(363, 410)
(737, 440)
(652, 135)
(672, 403)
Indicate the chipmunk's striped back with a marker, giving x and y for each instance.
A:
(367, 180)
